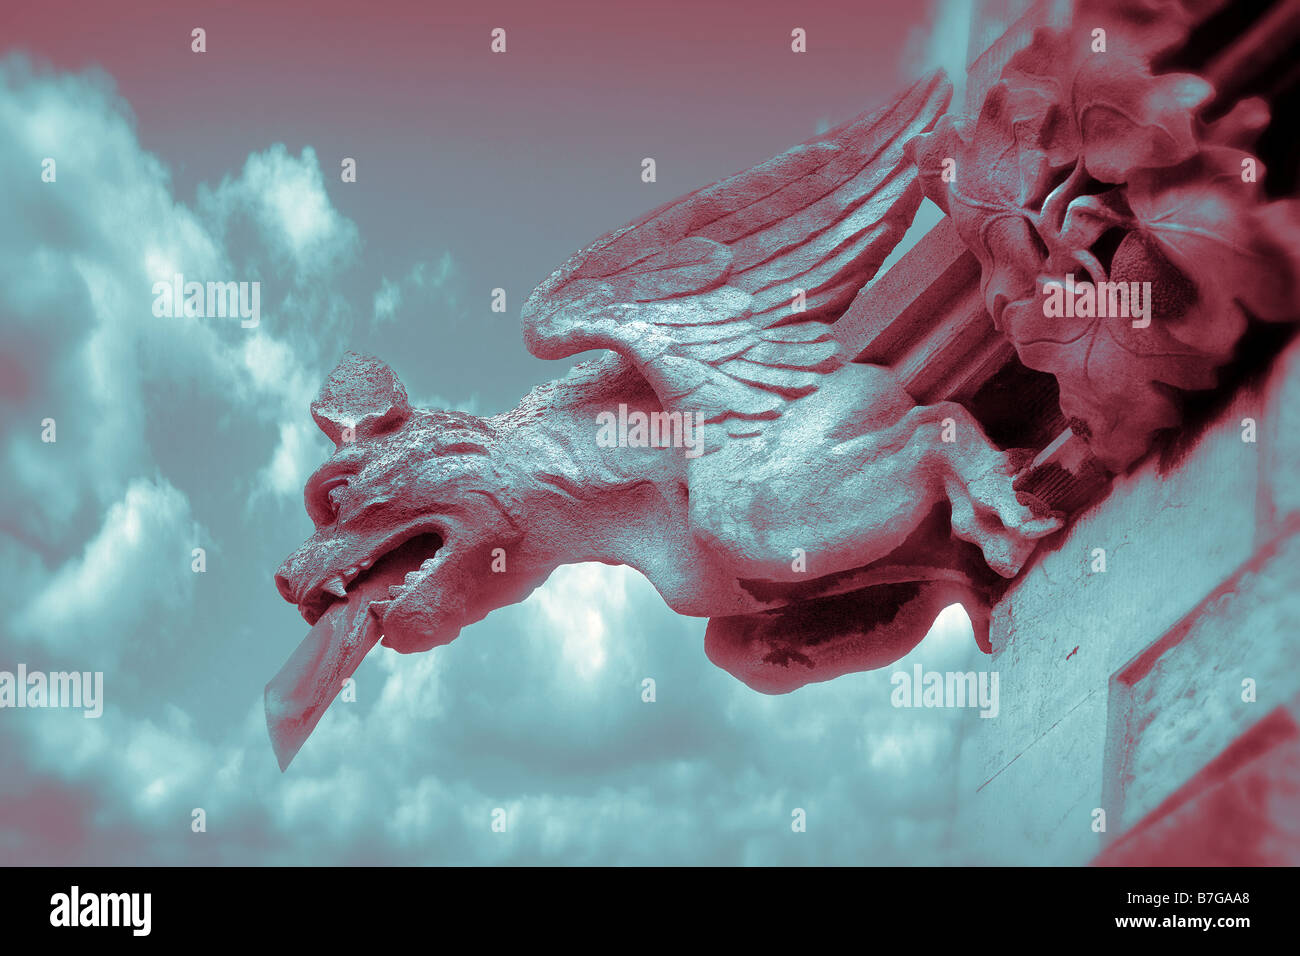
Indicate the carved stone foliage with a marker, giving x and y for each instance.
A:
(1082, 168)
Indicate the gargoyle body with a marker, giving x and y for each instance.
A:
(821, 521)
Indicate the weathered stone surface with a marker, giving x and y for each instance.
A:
(1169, 539)
(1242, 809)
(1144, 661)
(1279, 445)
(1037, 808)
(1182, 702)
(360, 397)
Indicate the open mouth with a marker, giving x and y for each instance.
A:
(374, 579)
(346, 613)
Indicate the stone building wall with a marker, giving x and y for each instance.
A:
(1128, 690)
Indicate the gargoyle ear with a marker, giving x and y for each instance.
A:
(361, 398)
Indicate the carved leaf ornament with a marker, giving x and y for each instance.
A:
(1083, 169)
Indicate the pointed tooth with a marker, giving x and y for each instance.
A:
(366, 563)
(336, 587)
(351, 572)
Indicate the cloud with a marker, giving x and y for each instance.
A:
(943, 41)
(387, 299)
(137, 564)
(274, 370)
(576, 605)
(418, 287)
(283, 198)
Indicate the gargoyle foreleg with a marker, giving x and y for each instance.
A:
(977, 478)
(848, 484)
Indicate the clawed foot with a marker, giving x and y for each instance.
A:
(991, 514)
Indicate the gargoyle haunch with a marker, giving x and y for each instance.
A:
(828, 516)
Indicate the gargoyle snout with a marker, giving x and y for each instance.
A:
(282, 576)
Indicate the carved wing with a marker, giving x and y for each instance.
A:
(700, 294)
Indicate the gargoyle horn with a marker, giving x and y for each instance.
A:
(362, 394)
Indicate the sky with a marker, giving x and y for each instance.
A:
(474, 172)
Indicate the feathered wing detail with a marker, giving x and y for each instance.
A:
(699, 294)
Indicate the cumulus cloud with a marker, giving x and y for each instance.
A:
(283, 199)
(416, 286)
(137, 564)
(576, 605)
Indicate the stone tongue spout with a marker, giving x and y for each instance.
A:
(297, 697)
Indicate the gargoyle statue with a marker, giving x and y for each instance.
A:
(801, 501)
